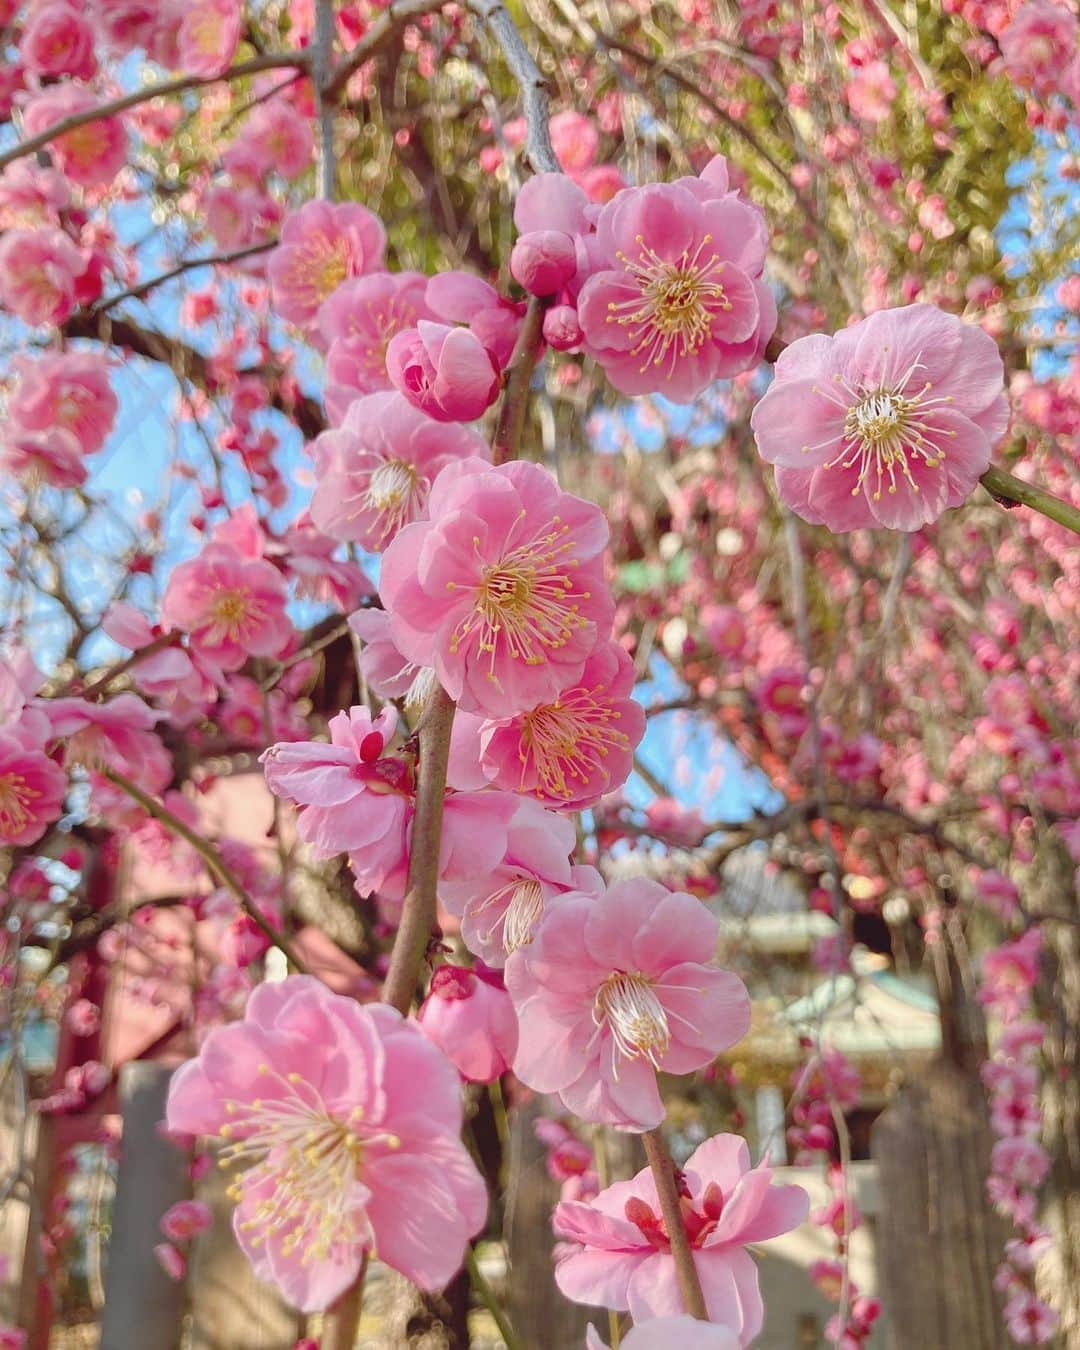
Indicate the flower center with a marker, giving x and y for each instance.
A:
(391, 484)
(628, 1006)
(676, 305)
(229, 614)
(523, 913)
(15, 796)
(567, 741)
(305, 1177)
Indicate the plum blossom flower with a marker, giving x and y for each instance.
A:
(51, 456)
(502, 588)
(1038, 44)
(621, 1257)
(889, 422)
(445, 372)
(171, 1260)
(32, 788)
(276, 136)
(349, 1118)
(460, 297)
(572, 751)
(31, 195)
(870, 92)
(1009, 973)
(676, 298)
(91, 154)
(374, 473)
(322, 245)
(232, 606)
(615, 988)
(185, 1220)
(39, 271)
(70, 390)
(58, 40)
(662, 1333)
(208, 35)
(358, 321)
(1029, 1320)
(469, 1016)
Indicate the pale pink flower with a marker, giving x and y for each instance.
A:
(357, 321)
(574, 750)
(664, 1333)
(1038, 44)
(117, 735)
(1068, 293)
(91, 154)
(352, 797)
(276, 136)
(501, 906)
(51, 456)
(1029, 1320)
(676, 299)
(307, 555)
(616, 988)
(1021, 1039)
(32, 788)
(460, 297)
(384, 667)
(39, 271)
(31, 195)
(65, 389)
(389, 1172)
(234, 216)
(502, 589)
(58, 40)
(231, 606)
(83, 1017)
(185, 1220)
(171, 1260)
(1009, 973)
(322, 245)
(621, 1258)
(374, 473)
(445, 372)
(889, 422)
(208, 35)
(469, 1016)
(870, 92)
(1022, 1161)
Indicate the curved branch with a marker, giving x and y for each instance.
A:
(190, 265)
(534, 90)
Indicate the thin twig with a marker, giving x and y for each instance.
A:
(189, 265)
(534, 91)
(395, 14)
(663, 1170)
(488, 1299)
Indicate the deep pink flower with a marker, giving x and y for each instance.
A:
(349, 1118)
(665, 1333)
(231, 606)
(32, 788)
(469, 1016)
(70, 390)
(357, 321)
(572, 751)
(445, 372)
(83, 1017)
(500, 907)
(90, 155)
(208, 35)
(1029, 1320)
(39, 270)
(615, 988)
(502, 588)
(889, 422)
(621, 1258)
(1038, 44)
(870, 92)
(322, 245)
(352, 797)
(375, 472)
(51, 456)
(678, 299)
(185, 1220)
(58, 40)
(12, 1338)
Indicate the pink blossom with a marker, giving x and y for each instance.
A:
(276, 136)
(1068, 293)
(375, 472)
(83, 1017)
(389, 1174)
(621, 1258)
(1009, 973)
(39, 270)
(460, 297)
(384, 667)
(12, 1338)
(358, 321)
(1020, 1160)
(32, 788)
(677, 299)
(1038, 43)
(500, 908)
(91, 154)
(322, 245)
(352, 797)
(70, 390)
(1021, 1039)
(664, 1333)
(208, 35)
(469, 1016)
(871, 91)
(185, 1220)
(502, 588)
(1015, 1115)
(615, 988)
(58, 40)
(998, 893)
(543, 261)
(234, 216)
(572, 751)
(171, 1260)
(232, 607)
(31, 195)
(889, 422)
(445, 372)
(51, 456)
(562, 329)
(1029, 1320)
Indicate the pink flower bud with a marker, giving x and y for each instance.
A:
(543, 261)
(84, 1017)
(170, 1260)
(562, 329)
(185, 1220)
(472, 1021)
(445, 372)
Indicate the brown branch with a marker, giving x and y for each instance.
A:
(190, 265)
(667, 1190)
(100, 686)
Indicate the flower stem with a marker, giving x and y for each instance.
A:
(486, 1295)
(663, 1170)
(1011, 491)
